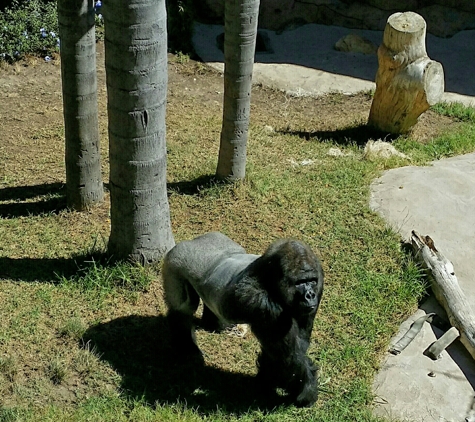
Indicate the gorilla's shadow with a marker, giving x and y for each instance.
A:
(138, 348)
(53, 201)
(358, 135)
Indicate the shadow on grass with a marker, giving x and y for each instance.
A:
(54, 200)
(36, 269)
(195, 186)
(138, 348)
(358, 135)
(44, 270)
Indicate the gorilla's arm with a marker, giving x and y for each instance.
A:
(283, 362)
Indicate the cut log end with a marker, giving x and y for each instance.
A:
(408, 22)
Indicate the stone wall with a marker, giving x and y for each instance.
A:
(444, 17)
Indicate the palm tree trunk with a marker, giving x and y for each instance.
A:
(136, 73)
(78, 75)
(240, 31)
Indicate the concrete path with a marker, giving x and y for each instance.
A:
(303, 60)
(437, 200)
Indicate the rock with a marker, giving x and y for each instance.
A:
(355, 44)
(306, 162)
(465, 5)
(393, 4)
(381, 149)
(445, 21)
(444, 17)
(268, 129)
(337, 152)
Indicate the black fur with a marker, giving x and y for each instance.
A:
(277, 294)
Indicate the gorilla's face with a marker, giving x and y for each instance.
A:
(296, 273)
(307, 297)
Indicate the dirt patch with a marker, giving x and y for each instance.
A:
(31, 112)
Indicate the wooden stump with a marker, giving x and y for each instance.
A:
(408, 82)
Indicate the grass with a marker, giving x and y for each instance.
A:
(73, 328)
(56, 371)
(456, 110)
(448, 144)
(82, 339)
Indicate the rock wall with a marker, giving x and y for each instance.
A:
(444, 17)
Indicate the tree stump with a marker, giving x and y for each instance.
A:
(408, 82)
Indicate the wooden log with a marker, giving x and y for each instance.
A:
(435, 349)
(446, 289)
(408, 82)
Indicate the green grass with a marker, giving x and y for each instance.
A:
(105, 277)
(82, 339)
(73, 328)
(456, 110)
(56, 371)
(449, 144)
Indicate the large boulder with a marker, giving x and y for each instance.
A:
(353, 43)
(444, 17)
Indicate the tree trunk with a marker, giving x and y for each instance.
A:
(407, 81)
(136, 71)
(446, 289)
(78, 76)
(240, 31)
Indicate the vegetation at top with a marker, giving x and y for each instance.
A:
(28, 27)
(31, 28)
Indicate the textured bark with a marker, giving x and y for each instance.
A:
(78, 75)
(407, 81)
(240, 31)
(136, 73)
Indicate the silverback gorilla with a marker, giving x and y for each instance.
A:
(277, 294)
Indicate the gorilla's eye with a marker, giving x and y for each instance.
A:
(311, 281)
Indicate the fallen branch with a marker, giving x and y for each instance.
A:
(435, 349)
(446, 289)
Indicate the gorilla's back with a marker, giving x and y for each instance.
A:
(195, 258)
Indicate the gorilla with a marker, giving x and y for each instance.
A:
(277, 294)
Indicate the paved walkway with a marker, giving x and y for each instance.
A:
(437, 200)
